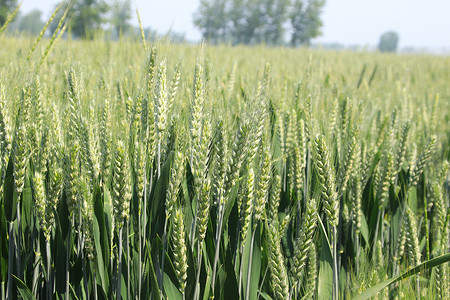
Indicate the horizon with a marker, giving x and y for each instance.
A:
(422, 26)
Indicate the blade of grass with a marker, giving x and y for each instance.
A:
(141, 30)
(57, 34)
(371, 292)
(23, 289)
(153, 279)
(44, 29)
(10, 17)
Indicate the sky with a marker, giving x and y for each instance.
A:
(419, 23)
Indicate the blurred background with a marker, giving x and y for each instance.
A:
(407, 26)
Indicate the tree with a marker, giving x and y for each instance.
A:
(6, 7)
(86, 17)
(31, 22)
(256, 21)
(211, 20)
(249, 19)
(120, 16)
(274, 18)
(305, 21)
(388, 42)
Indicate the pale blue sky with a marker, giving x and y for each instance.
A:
(420, 23)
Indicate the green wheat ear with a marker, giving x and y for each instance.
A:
(71, 170)
(262, 188)
(161, 101)
(422, 161)
(219, 157)
(20, 158)
(41, 204)
(105, 137)
(311, 280)
(41, 34)
(247, 204)
(274, 198)
(327, 180)
(121, 192)
(180, 249)
(305, 241)
(278, 275)
(176, 176)
(141, 29)
(300, 156)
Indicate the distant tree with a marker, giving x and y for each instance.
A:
(274, 17)
(120, 16)
(249, 17)
(236, 14)
(388, 42)
(256, 21)
(86, 17)
(6, 7)
(31, 22)
(305, 21)
(211, 20)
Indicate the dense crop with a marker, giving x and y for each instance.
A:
(171, 171)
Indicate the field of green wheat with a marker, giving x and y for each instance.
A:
(131, 170)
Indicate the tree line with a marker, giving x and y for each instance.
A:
(273, 22)
(259, 21)
(86, 18)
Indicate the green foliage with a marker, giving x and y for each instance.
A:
(388, 42)
(305, 21)
(145, 175)
(259, 21)
(211, 19)
(120, 16)
(6, 7)
(86, 17)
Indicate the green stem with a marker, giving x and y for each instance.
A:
(159, 158)
(138, 296)
(376, 235)
(141, 221)
(69, 233)
(241, 269)
(199, 268)
(427, 230)
(49, 270)
(19, 234)
(85, 278)
(194, 225)
(382, 227)
(163, 254)
(249, 271)
(127, 245)
(11, 250)
(37, 262)
(335, 266)
(358, 251)
(95, 285)
(306, 178)
(217, 246)
(119, 273)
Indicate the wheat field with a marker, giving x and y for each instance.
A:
(135, 170)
